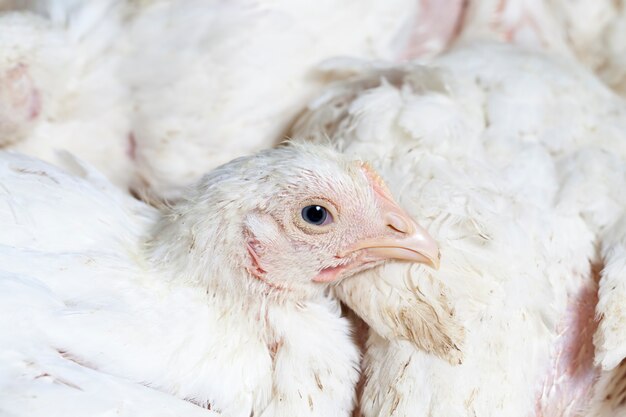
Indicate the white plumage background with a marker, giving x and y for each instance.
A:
(498, 130)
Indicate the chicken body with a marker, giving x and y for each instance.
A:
(222, 300)
(513, 159)
(237, 73)
(157, 93)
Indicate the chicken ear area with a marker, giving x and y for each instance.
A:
(400, 304)
(257, 229)
(255, 267)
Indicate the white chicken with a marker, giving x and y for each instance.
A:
(58, 85)
(591, 31)
(214, 80)
(209, 80)
(221, 300)
(512, 159)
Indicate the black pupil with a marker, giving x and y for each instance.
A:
(314, 214)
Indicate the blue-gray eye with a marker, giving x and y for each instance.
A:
(316, 215)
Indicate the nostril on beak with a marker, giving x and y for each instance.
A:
(398, 223)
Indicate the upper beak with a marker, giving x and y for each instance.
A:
(401, 238)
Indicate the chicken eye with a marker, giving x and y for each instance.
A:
(316, 215)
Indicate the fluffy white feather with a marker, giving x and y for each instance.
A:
(227, 78)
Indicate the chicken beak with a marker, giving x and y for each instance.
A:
(401, 238)
(418, 247)
(406, 241)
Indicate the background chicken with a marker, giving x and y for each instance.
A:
(221, 300)
(590, 31)
(206, 80)
(58, 85)
(510, 157)
(236, 73)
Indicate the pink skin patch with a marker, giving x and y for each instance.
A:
(525, 22)
(330, 274)
(256, 269)
(334, 273)
(19, 94)
(376, 182)
(20, 104)
(131, 148)
(567, 388)
(436, 26)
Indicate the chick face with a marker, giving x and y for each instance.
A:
(291, 219)
(322, 218)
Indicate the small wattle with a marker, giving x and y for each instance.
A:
(330, 274)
